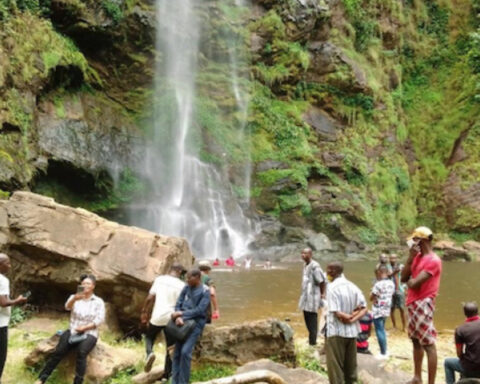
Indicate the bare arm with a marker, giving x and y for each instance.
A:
(323, 289)
(213, 298)
(373, 297)
(416, 282)
(407, 269)
(5, 301)
(147, 309)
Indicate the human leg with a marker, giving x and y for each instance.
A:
(417, 361)
(60, 352)
(83, 349)
(150, 336)
(379, 323)
(311, 321)
(350, 363)
(168, 361)
(335, 352)
(3, 348)
(432, 362)
(392, 317)
(452, 365)
(185, 355)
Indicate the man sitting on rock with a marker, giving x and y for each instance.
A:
(346, 305)
(467, 341)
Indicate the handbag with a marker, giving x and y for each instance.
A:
(180, 333)
(77, 338)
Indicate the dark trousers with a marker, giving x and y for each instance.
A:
(152, 332)
(311, 321)
(183, 356)
(63, 347)
(3, 348)
(341, 359)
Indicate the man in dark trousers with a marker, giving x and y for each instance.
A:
(422, 273)
(192, 304)
(5, 304)
(467, 341)
(313, 294)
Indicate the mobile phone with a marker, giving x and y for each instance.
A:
(80, 289)
(27, 294)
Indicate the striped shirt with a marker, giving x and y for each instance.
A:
(86, 312)
(343, 296)
(310, 299)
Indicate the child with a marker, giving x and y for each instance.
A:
(381, 297)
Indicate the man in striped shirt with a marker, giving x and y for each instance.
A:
(346, 305)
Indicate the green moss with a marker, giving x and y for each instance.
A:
(113, 10)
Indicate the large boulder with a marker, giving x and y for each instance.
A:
(52, 244)
(246, 342)
(102, 363)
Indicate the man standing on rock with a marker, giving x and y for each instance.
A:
(162, 297)
(313, 294)
(346, 305)
(5, 304)
(422, 273)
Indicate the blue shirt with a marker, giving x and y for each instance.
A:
(193, 302)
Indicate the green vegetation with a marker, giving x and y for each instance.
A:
(113, 10)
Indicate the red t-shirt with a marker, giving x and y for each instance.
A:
(431, 264)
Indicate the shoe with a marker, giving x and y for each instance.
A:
(149, 362)
(382, 357)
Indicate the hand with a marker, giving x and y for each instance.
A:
(80, 329)
(79, 296)
(176, 314)
(179, 321)
(215, 315)
(144, 319)
(20, 300)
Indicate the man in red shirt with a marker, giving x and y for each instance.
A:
(422, 274)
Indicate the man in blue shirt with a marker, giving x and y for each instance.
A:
(191, 304)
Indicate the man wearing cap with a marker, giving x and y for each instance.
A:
(162, 298)
(212, 311)
(422, 274)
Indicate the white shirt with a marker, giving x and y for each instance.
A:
(166, 289)
(343, 296)
(4, 291)
(85, 312)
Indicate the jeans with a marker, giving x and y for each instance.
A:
(311, 321)
(63, 347)
(152, 332)
(183, 355)
(452, 365)
(3, 348)
(379, 323)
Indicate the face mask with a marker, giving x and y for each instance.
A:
(330, 278)
(411, 243)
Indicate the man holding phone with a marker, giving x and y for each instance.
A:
(5, 304)
(422, 273)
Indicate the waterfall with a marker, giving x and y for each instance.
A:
(189, 197)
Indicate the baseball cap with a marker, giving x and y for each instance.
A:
(422, 233)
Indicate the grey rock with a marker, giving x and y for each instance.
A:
(325, 127)
(318, 241)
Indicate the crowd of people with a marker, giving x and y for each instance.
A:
(180, 304)
(349, 322)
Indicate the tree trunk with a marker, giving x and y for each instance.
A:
(260, 376)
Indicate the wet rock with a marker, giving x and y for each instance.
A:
(291, 376)
(103, 362)
(325, 127)
(246, 342)
(52, 244)
(85, 140)
(452, 252)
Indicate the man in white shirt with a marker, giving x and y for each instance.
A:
(162, 297)
(346, 305)
(5, 304)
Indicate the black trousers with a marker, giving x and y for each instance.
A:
(311, 321)
(3, 348)
(151, 335)
(63, 347)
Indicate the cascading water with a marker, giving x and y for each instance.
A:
(189, 198)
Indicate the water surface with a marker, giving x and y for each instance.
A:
(258, 294)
